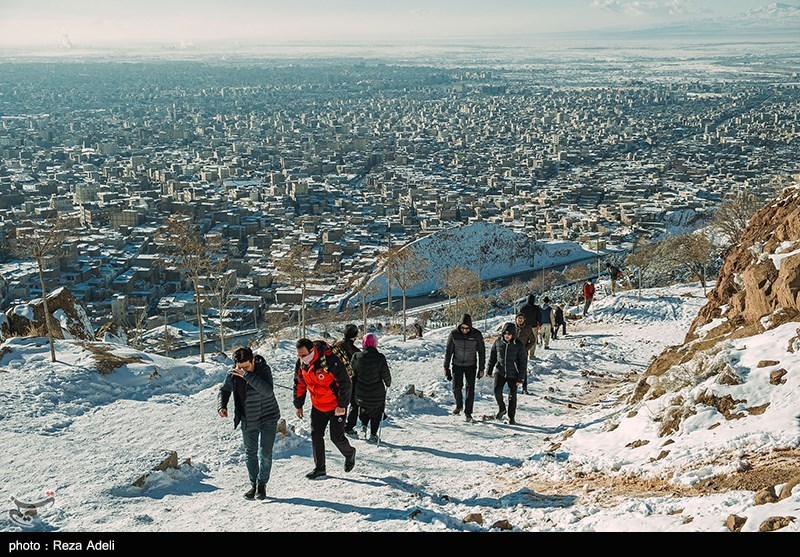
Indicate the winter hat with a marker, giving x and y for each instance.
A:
(350, 331)
(521, 315)
(546, 300)
(369, 341)
(531, 298)
(509, 328)
(467, 319)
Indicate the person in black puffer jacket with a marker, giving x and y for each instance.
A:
(348, 345)
(372, 379)
(467, 351)
(509, 355)
(533, 317)
(256, 409)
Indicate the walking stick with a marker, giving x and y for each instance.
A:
(380, 425)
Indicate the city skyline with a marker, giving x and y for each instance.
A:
(87, 23)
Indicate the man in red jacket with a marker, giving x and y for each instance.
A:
(324, 376)
(588, 295)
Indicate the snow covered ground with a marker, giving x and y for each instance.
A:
(580, 458)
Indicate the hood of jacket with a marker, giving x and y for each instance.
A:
(531, 299)
(509, 328)
(466, 320)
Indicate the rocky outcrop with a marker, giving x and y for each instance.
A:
(758, 288)
(68, 317)
(113, 333)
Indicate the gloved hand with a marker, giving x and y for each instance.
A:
(480, 374)
(448, 374)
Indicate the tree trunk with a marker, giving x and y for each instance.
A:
(404, 316)
(640, 285)
(303, 311)
(166, 336)
(389, 294)
(221, 332)
(199, 306)
(47, 324)
(364, 307)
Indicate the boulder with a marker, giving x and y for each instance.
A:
(775, 523)
(113, 333)
(766, 495)
(776, 377)
(68, 318)
(735, 523)
(787, 287)
(786, 491)
(477, 518)
(158, 463)
(503, 525)
(767, 363)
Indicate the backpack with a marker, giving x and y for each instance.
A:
(339, 353)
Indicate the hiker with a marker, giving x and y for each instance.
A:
(526, 335)
(319, 372)
(558, 315)
(467, 351)
(615, 274)
(588, 295)
(508, 354)
(417, 327)
(256, 409)
(532, 313)
(348, 346)
(547, 320)
(372, 378)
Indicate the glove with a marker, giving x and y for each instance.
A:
(480, 374)
(448, 374)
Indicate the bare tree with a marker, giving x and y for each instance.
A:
(183, 239)
(42, 241)
(365, 289)
(691, 251)
(732, 216)
(407, 267)
(552, 279)
(221, 286)
(136, 323)
(578, 272)
(460, 284)
(641, 259)
(384, 260)
(514, 292)
(166, 340)
(297, 267)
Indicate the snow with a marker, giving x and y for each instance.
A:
(780, 255)
(69, 429)
(24, 310)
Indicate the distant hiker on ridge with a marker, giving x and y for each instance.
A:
(256, 409)
(467, 351)
(372, 378)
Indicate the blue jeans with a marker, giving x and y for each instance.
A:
(259, 471)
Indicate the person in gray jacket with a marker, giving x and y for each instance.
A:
(467, 352)
(511, 359)
(256, 409)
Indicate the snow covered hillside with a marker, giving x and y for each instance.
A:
(581, 458)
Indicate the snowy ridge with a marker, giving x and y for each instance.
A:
(580, 458)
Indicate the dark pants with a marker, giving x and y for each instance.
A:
(259, 469)
(319, 421)
(459, 373)
(563, 325)
(373, 416)
(500, 381)
(352, 416)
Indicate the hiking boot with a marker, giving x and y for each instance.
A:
(364, 431)
(373, 439)
(500, 414)
(525, 392)
(351, 432)
(512, 421)
(457, 410)
(250, 494)
(316, 473)
(262, 492)
(350, 461)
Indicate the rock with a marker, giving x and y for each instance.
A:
(775, 523)
(786, 491)
(68, 318)
(414, 514)
(787, 286)
(729, 377)
(667, 442)
(662, 454)
(776, 377)
(757, 410)
(282, 430)
(477, 518)
(638, 443)
(412, 390)
(714, 426)
(767, 363)
(766, 495)
(503, 525)
(158, 462)
(735, 523)
(113, 333)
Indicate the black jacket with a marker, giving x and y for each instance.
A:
(559, 314)
(372, 376)
(510, 358)
(348, 345)
(253, 396)
(464, 349)
(532, 312)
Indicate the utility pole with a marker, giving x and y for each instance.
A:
(166, 335)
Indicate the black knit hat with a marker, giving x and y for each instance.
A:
(350, 331)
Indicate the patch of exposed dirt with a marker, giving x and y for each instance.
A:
(767, 470)
(106, 361)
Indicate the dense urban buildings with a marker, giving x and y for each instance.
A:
(351, 157)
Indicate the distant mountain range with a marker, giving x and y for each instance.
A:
(777, 16)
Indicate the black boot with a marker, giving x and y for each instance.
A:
(251, 493)
(350, 462)
(316, 473)
(262, 492)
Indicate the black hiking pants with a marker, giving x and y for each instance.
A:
(459, 373)
(373, 417)
(501, 381)
(319, 421)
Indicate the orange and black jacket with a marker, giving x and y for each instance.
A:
(325, 379)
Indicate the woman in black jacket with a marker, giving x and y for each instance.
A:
(511, 359)
(372, 378)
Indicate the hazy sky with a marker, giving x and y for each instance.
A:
(84, 22)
